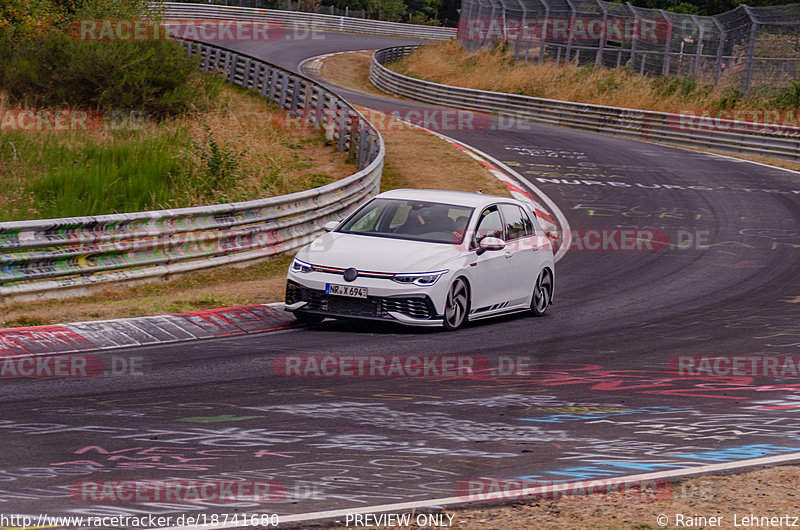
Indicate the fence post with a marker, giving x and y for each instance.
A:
(667, 43)
(723, 35)
(543, 36)
(634, 38)
(699, 47)
(598, 59)
(571, 30)
(751, 44)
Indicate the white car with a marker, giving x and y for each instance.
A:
(425, 258)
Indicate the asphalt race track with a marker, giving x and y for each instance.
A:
(590, 391)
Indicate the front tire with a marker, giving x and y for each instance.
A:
(456, 306)
(542, 293)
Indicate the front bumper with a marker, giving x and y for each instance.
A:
(411, 309)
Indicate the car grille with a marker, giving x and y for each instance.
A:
(372, 306)
(413, 307)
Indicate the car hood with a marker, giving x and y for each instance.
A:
(377, 254)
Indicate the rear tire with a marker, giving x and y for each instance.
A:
(542, 293)
(456, 305)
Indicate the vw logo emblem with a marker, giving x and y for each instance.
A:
(350, 274)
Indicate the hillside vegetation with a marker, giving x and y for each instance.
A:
(494, 68)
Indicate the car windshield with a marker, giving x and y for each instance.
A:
(406, 219)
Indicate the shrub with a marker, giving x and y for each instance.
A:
(52, 70)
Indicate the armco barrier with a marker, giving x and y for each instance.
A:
(305, 21)
(42, 257)
(722, 135)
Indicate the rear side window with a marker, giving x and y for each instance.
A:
(517, 222)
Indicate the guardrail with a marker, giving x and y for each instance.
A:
(684, 130)
(304, 21)
(45, 257)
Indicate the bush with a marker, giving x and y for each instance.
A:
(52, 70)
(788, 97)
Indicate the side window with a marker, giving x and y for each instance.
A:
(517, 224)
(526, 221)
(490, 224)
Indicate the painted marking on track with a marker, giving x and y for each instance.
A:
(218, 419)
(500, 495)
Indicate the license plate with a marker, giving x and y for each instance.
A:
(346, 290)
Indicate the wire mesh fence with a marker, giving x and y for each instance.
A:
(744, 47)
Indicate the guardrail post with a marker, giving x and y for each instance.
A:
(295, 94)
(246, 80)
(343, 119)
(264, 74)
(320, 120)
(355, 135)
(284, 91)
(230, 65)
(207, 58)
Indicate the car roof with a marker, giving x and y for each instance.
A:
(461, 198)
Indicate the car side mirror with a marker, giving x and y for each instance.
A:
(491, 243)
(330, 226)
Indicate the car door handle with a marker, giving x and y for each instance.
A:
(509, 254)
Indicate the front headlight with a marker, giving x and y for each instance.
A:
(423, 279)
(301, 266)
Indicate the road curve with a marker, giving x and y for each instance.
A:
(596, 396)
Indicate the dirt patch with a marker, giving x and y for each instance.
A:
(692, 503)
(350, 70)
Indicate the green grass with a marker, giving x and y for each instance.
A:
(73, 174)
(122, 176)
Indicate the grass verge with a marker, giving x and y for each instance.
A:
(223, 154)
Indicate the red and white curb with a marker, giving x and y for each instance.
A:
(143, 331)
